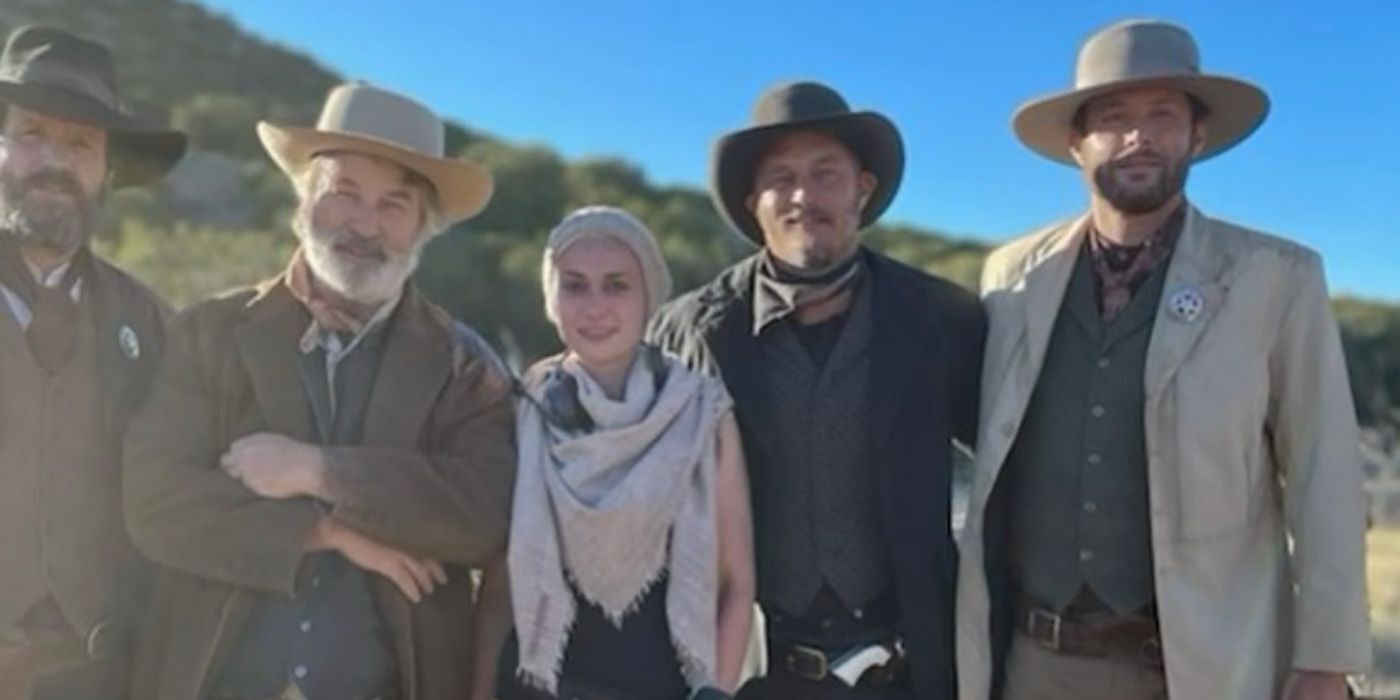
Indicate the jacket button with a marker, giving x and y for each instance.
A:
(1008, 429)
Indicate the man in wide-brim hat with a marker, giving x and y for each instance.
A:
(325, 455)
(79, 340)
(851, 376)
(1168, 497)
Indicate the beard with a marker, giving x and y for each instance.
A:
(816, 254)
(372, 276)
(46, 221)
(1131, 199)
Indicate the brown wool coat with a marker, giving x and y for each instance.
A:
(433, 478)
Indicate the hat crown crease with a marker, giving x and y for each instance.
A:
(1135, 51)
(372, 113)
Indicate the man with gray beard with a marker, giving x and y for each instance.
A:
(325, 456)
(1168, 494)
(79, 341)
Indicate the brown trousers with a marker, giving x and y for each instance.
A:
(1036, 673)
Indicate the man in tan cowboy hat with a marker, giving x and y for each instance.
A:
(1168, 492)
(851, 375)
(325, 455)
(79, 340)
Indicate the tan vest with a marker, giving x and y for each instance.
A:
(49, 436)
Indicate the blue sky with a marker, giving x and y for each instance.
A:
(655, 82)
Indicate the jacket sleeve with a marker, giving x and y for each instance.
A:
(183, 511)
(452, 501)
(675, 330)
(1315, 440)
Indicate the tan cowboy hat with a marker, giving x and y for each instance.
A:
(788, 107)
(58, 74)
(370, 120)
(1134, 53)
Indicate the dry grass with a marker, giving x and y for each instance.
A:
(1383, 579)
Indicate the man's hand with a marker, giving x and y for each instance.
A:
(276, 466)
(1315, 685)
(416, 578)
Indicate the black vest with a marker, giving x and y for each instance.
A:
(1077, 474)
(822, 518)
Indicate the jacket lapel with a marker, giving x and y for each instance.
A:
(740, 358)
(1026, 308)
(1198, 265)
(268, 345)
(120, 360)
(418, 358)
(1037, 297)
(897, 343)
(1045, 283)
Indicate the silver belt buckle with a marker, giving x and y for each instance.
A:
(812, 655)
(101, 641)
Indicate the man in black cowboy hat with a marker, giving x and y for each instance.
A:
(78, 341)
(851, 375)
(1169, 492)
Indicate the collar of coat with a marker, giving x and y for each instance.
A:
(913, 315)
(1030, 276)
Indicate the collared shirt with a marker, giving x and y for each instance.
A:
(20, 310)
(335, 345)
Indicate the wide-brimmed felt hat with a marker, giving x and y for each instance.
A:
(57, 74)
(871, 136)
(1140, 53)
(362, 118)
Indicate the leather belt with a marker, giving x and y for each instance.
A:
(1135, 638)
(291, 692)
(817, 665)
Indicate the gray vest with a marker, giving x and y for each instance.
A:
(821, 515)
(1078, 470)
(49, 424)
(329, 639)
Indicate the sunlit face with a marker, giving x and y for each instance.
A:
(52, 175)
(600, 301)
(362, 225)
(807, 197)
(1137, 146)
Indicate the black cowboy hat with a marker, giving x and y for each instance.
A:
(871, 136)
(60, 75)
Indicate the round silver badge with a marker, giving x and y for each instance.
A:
(129, 343)
(1186, 305)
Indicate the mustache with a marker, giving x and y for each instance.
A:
(1139, 157)
(809, 213)
(56, 178)
(345, 240)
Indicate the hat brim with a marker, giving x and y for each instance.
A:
(139, 153)
(463, 188)
(871, 137)
(1237, 108)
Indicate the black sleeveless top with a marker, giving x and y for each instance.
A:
(636, 662)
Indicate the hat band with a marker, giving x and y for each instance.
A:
(63, 76)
